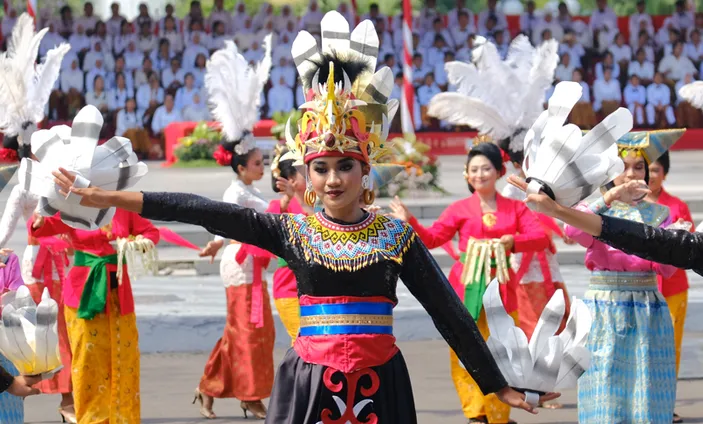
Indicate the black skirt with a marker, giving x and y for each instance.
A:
(306, 393)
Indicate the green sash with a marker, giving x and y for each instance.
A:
(282, 263)
(94, 297)
(473, 293)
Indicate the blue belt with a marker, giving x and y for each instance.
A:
(346, 318)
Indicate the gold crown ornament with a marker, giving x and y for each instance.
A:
(350, 114)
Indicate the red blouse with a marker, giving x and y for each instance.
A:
(97, 242)
(678, 209)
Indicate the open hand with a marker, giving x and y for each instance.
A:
(211, 250)
(399, 210)
(515, 399)
(631, 192)
(285, 187)
(22, 386)
(91, 197)
(372, 208)
(539, 202)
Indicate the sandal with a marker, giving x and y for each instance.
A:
(677, 419)
(478, 420)
(205, 412)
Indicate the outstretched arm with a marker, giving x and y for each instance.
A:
(427, 283)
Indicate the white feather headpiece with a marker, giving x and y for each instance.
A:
(24, 87)
(548, 362)
(500, 98)
(29, 335)
(562, 162)
(111, 166)
(234, 92)
(693, 93)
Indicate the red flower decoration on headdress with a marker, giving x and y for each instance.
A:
(222, 156)
(505, 156)
(8, 155)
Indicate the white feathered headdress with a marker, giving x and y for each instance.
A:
(234, 93)
(500, 99)
(24, 86)
(693, 93)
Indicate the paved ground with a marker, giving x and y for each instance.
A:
(168, 381)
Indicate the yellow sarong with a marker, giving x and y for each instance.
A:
(105, 364)
(678, 304)
(289, 311)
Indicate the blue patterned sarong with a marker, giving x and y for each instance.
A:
(632, 378)
(11, 407)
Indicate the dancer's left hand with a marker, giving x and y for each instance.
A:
(91, 197)
(515, 399)
(539, 202)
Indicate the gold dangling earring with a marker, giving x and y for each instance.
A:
(310, 195)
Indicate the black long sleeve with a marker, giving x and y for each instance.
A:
(224, 219)
(427, 283)
(6, 380)
(679, 248)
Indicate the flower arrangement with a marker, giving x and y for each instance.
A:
(421, 175)
(200, 145)
(280, 118)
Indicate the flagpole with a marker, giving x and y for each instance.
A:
(407, 102)
(32, 9)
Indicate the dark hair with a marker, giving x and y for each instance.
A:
(491, 152)
(236, 158)
(12, 142)
(664, 162)
(515, 157)
(286, 170)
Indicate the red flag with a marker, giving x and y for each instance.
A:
(407, 105)
(172, 237)
(32, 8)
(6, 6)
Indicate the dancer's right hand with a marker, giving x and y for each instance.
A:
(22, 386)
(37, 221)
(630, 192)
(399, 210)
(92, 197)
(211, 250)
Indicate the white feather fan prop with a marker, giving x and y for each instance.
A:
(693, 93)
(234, 92)
(24, 87)
(548, 362)
(562, 162)
(501, 99)
(29, 334)
(111, 166)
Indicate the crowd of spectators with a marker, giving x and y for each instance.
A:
(147, 73)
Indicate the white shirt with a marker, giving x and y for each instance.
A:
(605, 91)
(79, 42)
(111, 81)
(168, 77)
(425, 93)
(453, 19)
(280, 99)
(121, 42)
(184, 96)
(658, 94)
(459, 36)
(97, 100)
(621, 53)
(283, 50)
(288, 72)
(87, 22)
(605, 19)
(90, 78)
(50, 40)
(483, 17)
(600, 68)
(553, 27)
(194, 113)
(162, 118)
(440, 74)
(576, 52)
(528, 22)
(145, 44)
(677, 68)
(694, 52)
(125, 121)
(564, 73)
(218, 41)
(643, 70)
(585, 93)
(133, 60)
(175, 40)
(145, 95)
(221, 16)
(634, 94)
(191, 53)
(246, 196)
(116, 98)
(114, 24)
(72, 78)
(684, 20)
(635, 21)
(106, 42)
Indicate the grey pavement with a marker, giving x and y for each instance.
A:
(168, 381)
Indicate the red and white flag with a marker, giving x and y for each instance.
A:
(32, 8)
(407, 102)
(6, 6)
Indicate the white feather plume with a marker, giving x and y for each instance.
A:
(25, 87)
(234, 88)
(508, 94)
(693, 93)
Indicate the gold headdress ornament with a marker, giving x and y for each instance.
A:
(278, 151)
(350, 114)
(648, 144)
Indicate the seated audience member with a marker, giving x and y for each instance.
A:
(125, 37)
(635, 96)
(607, 63)
(141, 76)
(280, 98)
(79, 41)
(424, 94)
(676, 65)
(163, 117)
(161, 58)
(607, 94)
(184, 95)
(198, 111)
(146, 41)
(642, 68)
(659, 103)
(149, 97)
(129, 125)
(582, 115)
(118, 95)
(71, 98)
(173, 77)
(565, 69)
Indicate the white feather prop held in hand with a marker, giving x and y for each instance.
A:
(693, 93)
(548, 362)
(110, 166)
(29, 335)
(562, 162)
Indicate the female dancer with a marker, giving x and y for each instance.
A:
(287, 180)
(241, 363)
(486, 215)
(43, 265)
(674, 289)
(100, 320)
(346, 262)
(631, 319)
